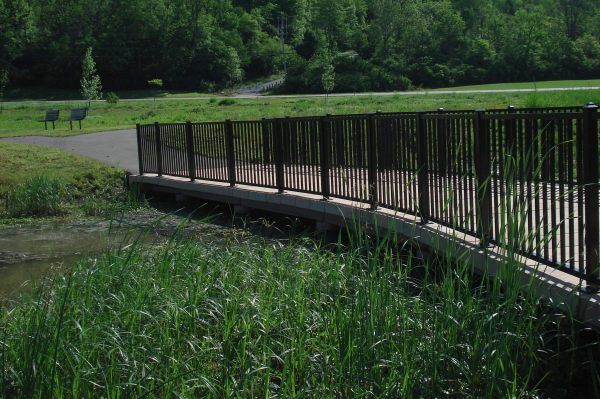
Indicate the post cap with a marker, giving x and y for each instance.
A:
(420, 112)
(440, 109)
(590, 105)
(480, 110)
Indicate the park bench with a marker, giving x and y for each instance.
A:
(51, 116)
(77, 114)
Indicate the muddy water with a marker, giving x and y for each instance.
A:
(27, 252)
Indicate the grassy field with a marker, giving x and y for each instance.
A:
(66, 183)
(20, 119)
(19, 162)
(553, 84)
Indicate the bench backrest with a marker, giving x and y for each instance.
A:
(78, 113)
(52, 114)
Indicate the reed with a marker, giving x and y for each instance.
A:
(260, 318)
(38, 196)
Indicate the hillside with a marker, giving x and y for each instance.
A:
(356, 45)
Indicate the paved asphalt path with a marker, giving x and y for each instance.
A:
(117, 148)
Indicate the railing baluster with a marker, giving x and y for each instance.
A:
(325, 156)
(139, 144)
(159, 163)
(372, 160)
(442, 149)
(590, 180)
(230, 152)
(190, 150)
(279, 156)
(483, 173)
(423, 168)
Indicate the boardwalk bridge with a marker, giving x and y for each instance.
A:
(484, 185)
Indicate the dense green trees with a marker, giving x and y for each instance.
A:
(374, 44)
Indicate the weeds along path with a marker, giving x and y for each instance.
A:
(117, 148)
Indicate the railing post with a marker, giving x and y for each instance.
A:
(139, 145)
(286, 143)
(510, 139)
(265, 137)
(441, 142)
(384, 160)
(279, 156)
(590, 181)
(190, 150)
(230, 152)
(159, 164)
(483, 168)
(372, 160)
(423, 169)
(325, 147)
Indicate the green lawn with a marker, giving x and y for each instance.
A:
(552, 84)
(19, 162)
(20, 119)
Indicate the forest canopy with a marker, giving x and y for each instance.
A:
(208, 45)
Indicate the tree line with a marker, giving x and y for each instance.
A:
(339, 45)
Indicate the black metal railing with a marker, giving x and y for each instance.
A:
(527, 178)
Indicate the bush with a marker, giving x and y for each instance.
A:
(112, 99)
(227, 101)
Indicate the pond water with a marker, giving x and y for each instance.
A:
(27, 252)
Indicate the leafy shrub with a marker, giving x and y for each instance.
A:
(149, 114)
(112, 99)
(227, 101)
(212, 100)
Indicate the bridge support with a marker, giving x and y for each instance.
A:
(241, 210)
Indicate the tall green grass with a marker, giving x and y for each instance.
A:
(53, 196)
(561, 98)
(38, 196)
(185, 319)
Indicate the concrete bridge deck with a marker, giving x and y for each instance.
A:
(551, 283)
